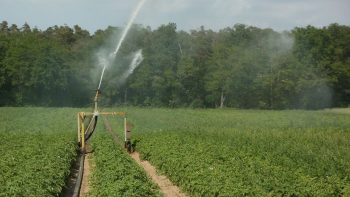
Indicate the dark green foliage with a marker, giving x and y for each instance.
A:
(239, 66)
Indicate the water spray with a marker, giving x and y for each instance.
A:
(87, 121)
(131, 20)
(136, 60)
(107, 60)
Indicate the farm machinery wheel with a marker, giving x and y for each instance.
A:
(128, 146)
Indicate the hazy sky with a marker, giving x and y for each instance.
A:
(187, 14)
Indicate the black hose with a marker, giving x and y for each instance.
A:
(80, 176)
(90, 130)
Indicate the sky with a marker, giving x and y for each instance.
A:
(187, 14)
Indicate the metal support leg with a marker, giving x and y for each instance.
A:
(125, 130)
(78, 119)
(82, 136)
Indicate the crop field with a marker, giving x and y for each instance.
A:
(115, 173)
(205, 152)
(248, 152)
(37, 147)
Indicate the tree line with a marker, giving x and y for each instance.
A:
(240, 66)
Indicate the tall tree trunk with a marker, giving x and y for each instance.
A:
(126, 96)
(222, 99)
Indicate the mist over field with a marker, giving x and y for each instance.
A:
(199, 54)
(240, 66)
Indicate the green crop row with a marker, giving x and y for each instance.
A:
(153, 119)
(37, 148)
(114, 172)
(205, 152)
(36, 164)
(245, 164)
(247, 152)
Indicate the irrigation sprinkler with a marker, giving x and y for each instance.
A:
(87, 122)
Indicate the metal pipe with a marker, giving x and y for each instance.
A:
(125, 129)
(98, 92)
(78, 119)
(82, 137)
(80, 176)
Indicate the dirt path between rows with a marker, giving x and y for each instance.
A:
(167, 188)
(165, 185)
(84, 190)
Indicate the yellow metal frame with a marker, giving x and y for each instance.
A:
(81, 116)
